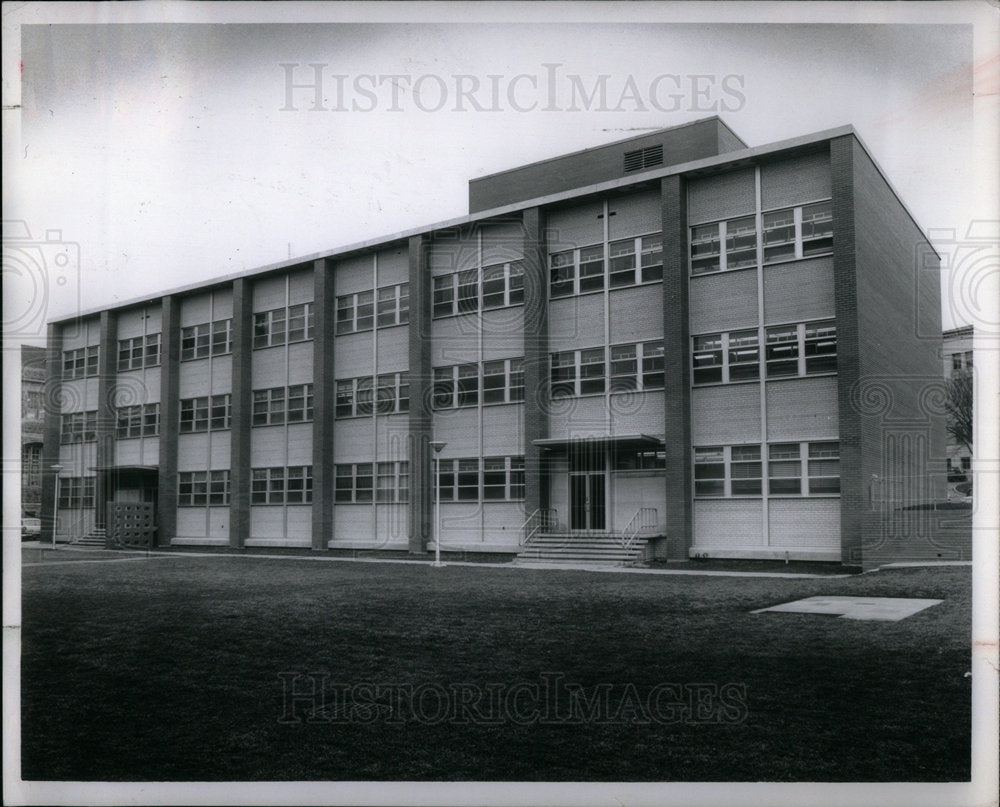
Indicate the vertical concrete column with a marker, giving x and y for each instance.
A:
(242, 403)
(53, 426)
(324, 395)
(107, 373)
(676, 361)
(170, 366)
(536, 360)
(854, 505)
(420, 416)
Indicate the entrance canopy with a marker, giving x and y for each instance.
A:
(636, 441)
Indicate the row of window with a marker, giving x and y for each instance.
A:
(474, 290)
(789, 350)
(77, 492)
(496, 382)
(78, 427)
(283, 325)
(790, 234)
(278, 405)
(635, 367)
(359, 482)
(80, 363)
(632, 261)
(485, 479)
(138, 421)
(202, 488)
(387, 394)
(139, 352)
(793, 469)
(292, 485)
(208, 413)
(207, 339)
(365, 310)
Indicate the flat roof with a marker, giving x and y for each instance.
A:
(704, 164)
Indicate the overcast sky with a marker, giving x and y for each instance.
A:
(173, 153)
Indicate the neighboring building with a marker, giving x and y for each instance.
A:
(32, 428)
(957, 356)
(675, 331)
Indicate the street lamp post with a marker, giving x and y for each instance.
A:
(55, 502)
(437, 445)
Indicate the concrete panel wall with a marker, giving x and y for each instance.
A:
(300, 287)
(586, 416)
(795, 180)
(802, 409)
(269, 293)
(300, 363)
(222, 374)
(576, 322)
(733, 523)
(637, 413)
(193, 453)
(722, 302)
(352, 440)
(725, 415)
(196, 309)
(502, 241)
(503, 430)
(798, 290)
(801, 523)
(453, 250)
(460, 429)
(636, 315)
(352, 355)
(194, 378)
(393, 266)
(454, 340)
(352, 275)
(577, 226)
(268, 446)
(722, 196)
(393, 350)
(635, 214)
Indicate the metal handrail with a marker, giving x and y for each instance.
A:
(541, 520)
(643, 519)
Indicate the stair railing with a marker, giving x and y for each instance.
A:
(645, 519)
(541, 520)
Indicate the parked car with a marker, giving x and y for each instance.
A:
(31, 528)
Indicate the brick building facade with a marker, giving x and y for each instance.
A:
(722, 345)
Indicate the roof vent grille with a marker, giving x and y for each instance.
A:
(643, 158)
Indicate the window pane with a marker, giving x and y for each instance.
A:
(494, 381)
(591, 268)
(622, 263)
(744, 356)
(817, 229)
(741, 243)
(705, 249)
(779, 235)
(707, 359)
(561, 270)
(782, 351)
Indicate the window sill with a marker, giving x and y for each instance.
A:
(740, 383)
(723, 271)
(827, 374)
(795, 260)
(477, 312)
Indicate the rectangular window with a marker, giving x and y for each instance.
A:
(706, 359)
(467, 480)
(562, 274)
(745, 471)
(710, 471)
(200, 414)
(591, 268)
(820, 348)
(363, 482)
(300, 403)
(739, 237)
(577, 372)
(503, 381)
(622, 269)
(743, 354)
(824, 467)
(221, 409)
(298, 485)
(77, 492)
(300, 322)
(270, 328)
(80, 363)
(269, 406)
(624, 368)
(626, 459)
(139, 352)
(577, 271)
(393, 306)
(222, 337)
(444, 296)
(784, 469)
(78, 427)
(782, 351)
(651, 258)
(218, 487)
(344, 407)
(291, 485)
(798, 232)
(196, 342)
(138, 421)
(468, 291)
(365, 396)
(494, 286)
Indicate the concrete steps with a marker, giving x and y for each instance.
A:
(95, 538)
(598, 550)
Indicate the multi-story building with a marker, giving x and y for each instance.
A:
(32, 428)
(957, 356)
(728, 342)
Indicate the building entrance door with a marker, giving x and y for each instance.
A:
(588, 487)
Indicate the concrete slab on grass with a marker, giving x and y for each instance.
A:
(883, 609)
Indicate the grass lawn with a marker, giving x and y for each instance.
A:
(170, 669)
